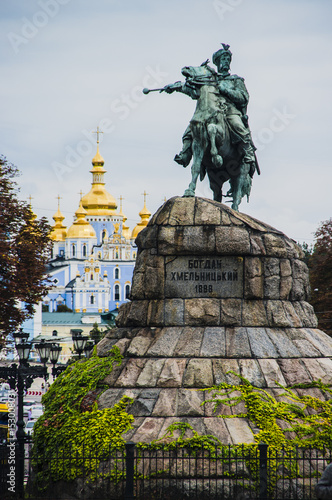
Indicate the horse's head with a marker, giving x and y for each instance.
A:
(197, 72)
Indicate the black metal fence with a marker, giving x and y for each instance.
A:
(143, 473)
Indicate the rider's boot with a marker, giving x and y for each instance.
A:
(249, 154)
(184, 157)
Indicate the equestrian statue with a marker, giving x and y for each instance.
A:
(218, 139)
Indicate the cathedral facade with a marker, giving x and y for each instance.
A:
(93, 260)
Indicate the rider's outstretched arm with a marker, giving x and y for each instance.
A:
(172, 87)
(184, 88)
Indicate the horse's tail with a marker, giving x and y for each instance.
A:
(241, 186)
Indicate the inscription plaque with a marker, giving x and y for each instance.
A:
(195, 276)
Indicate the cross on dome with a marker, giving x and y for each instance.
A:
(58, 198)
(98, 132)
(145, 194)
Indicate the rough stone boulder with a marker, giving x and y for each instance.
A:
(213, 290)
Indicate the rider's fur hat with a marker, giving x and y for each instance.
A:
(216, 55)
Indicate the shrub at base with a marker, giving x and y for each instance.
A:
(75, 427)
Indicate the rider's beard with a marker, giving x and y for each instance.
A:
(224, 70)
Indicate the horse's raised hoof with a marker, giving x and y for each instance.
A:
(178, 158)
(218, 161)
(189, 193)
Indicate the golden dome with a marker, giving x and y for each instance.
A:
(98, 160)
(33, 215)
(59, 231)
(126, 233)
(145, 214)
(81, 227)
(98, 201)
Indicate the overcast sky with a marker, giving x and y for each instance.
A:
(68, 66)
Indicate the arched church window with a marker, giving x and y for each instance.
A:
(84, 250)
(116, 273)
(91, 277)
(103, 235)
(73, 250)
(127, 291)
(92, 299)
(117, 292)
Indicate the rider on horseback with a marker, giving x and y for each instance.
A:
(233, 90)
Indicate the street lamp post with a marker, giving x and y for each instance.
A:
(44, 350)
(79, 342)
(20, 336)
(20, 377)
(54, 357)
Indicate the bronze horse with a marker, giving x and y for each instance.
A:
(215, 148)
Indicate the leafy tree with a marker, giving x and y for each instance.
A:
(24, 250)
(62, 308)
(320, 266)
(307, 250)
(96, 334)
